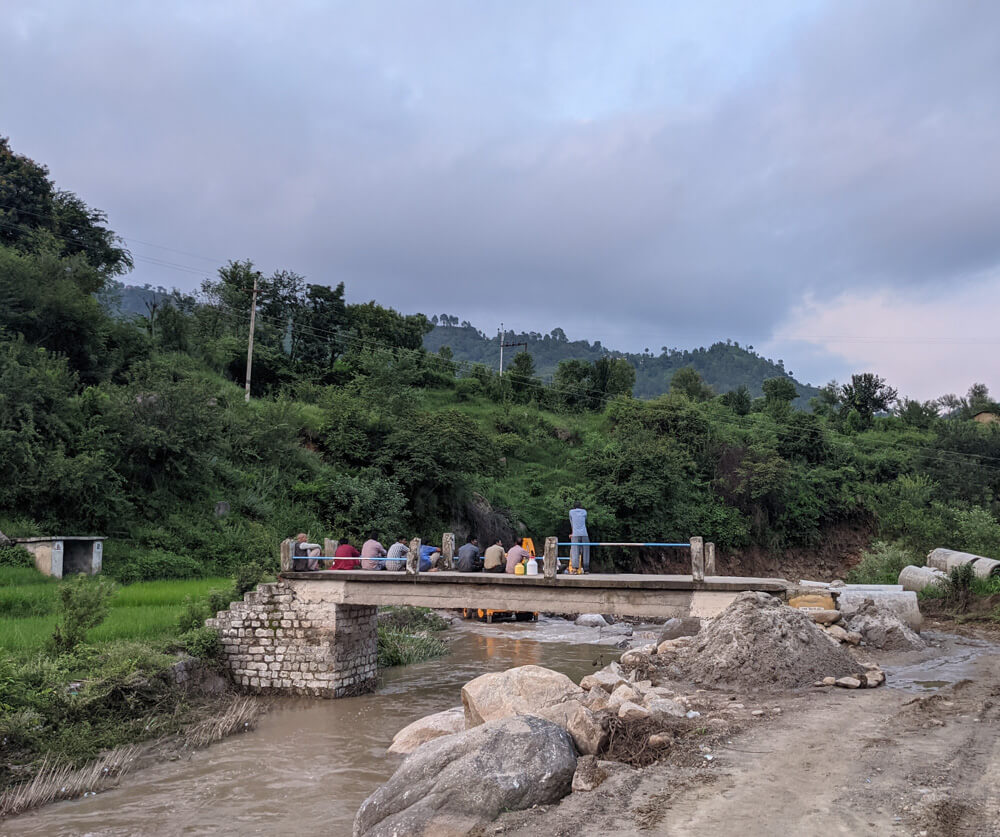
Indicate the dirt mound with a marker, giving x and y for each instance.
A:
(757, 643)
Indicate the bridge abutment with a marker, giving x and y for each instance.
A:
(276, 641)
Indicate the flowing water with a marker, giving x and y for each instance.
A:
(309, 764)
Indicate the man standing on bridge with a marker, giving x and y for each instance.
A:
(578, 535)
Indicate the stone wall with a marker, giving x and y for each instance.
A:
(275, 642)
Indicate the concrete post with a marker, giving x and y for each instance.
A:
(413, 557)
(329, 547)
(286, 555)
(698, 558)
(549, 561)
(447, 561)
(710, 559)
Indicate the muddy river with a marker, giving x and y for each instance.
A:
(309, 764)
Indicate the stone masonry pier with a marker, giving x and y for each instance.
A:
(314, 633)
(277, 641)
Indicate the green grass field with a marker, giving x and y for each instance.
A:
(144, 611)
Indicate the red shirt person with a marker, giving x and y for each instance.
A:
(345, 558)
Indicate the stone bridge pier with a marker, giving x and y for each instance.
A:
(278, 640)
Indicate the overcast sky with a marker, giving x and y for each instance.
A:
(818, 179)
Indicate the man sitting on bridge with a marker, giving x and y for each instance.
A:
(429, 556)
(395, 558)
(468, 557)
(305, 555)
(516, 554)
(371, 549)
(493, 560)
(346, 556)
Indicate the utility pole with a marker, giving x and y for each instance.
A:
(509, 346)
(500, 336)
(253, 317)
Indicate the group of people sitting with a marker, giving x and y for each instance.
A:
(374, 556)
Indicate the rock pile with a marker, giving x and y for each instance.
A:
(757, 643)
(883, 629)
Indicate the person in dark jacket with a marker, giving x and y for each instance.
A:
(468, 557)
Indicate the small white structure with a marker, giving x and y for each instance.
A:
(65, 555)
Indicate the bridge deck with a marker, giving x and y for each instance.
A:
(656, 596)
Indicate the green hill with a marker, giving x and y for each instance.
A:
(723, 366)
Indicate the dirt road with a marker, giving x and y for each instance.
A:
(880, 761)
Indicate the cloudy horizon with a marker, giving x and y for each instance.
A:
(817, 179)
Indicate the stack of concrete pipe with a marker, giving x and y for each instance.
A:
(916, 579)
(947, 559)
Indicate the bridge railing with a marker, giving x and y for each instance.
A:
(702, 554)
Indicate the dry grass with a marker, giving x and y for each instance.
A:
(239, 716)
(60, 781)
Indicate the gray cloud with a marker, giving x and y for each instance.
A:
(637, 174)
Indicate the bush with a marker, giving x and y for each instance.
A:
(882, 563)
(405, 618)
(16, 556)
(958, 588)
(83, 604)
(128, 564)
(203, 643)
(398, 648)
(193, 616)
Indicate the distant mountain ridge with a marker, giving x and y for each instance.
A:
(724, 365)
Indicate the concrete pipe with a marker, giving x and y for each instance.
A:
(986, 567)
(948, 559)
(916, 579)
(903, 605)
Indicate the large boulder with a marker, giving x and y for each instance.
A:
(424, 729)
(678, 627)
(881, 628)
(591, 620)
(608, 678)
(525, 690)
(455, 784)
(588, 731)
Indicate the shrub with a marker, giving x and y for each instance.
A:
(203, 643)
(247, 577)
(128, 564)
(193, 616)
(881, 564)
(83, 604)
(405, 618)
(15, 556)
(398, 648)
(958, 588)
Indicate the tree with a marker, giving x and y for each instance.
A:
(522, 375)
(35, 215)
(779, 391)
(917, 414)
(686, 381)
(867, 394)
(738, 400)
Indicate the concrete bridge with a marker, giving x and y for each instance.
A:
(314, 633)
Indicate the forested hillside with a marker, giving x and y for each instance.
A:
(137, 428)
(723, 366)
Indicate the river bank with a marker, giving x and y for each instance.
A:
(309, 763)
(921, 757)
